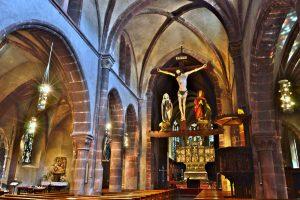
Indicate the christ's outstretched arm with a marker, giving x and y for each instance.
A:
(197, 69)
(165, 72)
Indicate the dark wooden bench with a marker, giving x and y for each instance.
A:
(126, 195)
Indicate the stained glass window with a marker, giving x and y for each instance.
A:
(288, 24)
(30, 128)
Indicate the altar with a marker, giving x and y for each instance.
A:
(55, 186)
(195, 155)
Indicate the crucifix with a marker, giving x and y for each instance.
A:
(181, 77)
(163, 171)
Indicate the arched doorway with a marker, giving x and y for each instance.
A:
(131, 145)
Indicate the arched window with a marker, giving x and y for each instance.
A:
(128, 65)
(122, 58)
(125, 61)
(74, 9)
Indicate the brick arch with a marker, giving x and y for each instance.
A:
(263, 125)
(131, 152)
(70, 71)
(72, 78)
(117, 132)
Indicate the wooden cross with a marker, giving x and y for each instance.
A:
(163, 170)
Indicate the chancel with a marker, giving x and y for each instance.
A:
(149, 99)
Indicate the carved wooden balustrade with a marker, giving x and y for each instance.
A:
(236, 164)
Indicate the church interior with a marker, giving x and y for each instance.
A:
(150, 99)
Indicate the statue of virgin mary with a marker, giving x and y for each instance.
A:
(166, 112)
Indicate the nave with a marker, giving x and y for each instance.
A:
(150, 99)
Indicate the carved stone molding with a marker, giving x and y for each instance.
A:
(107, 61)
(82, 142)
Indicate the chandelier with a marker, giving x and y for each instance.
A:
(287, 103)
(45, 88)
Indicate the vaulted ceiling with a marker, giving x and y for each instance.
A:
(201, 27)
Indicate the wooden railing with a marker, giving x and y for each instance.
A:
(236, 164)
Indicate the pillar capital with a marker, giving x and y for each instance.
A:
(107, 61)
(82, 142)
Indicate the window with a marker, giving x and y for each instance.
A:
(63, 4)
(74, 10)
(125, 61)
(128, 65)
(294, 152)
(122, 58)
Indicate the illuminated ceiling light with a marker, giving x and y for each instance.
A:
(45, 88)
(287, 103)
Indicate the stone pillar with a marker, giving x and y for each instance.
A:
(131, 169)
(239, 74)
(264, 147)
(115, 178)
(140, 150)
(81, 145)
(149, 172)
(106, 63)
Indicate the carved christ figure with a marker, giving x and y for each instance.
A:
(181, 78)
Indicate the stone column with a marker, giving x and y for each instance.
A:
(115, 178)
(140, 150)
(239, 74)
(81, 145)
(131, 169)
(241, 83)
(106, 63)
(149, 172)
(264, 147)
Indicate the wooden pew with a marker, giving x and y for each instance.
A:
(209, 194)
(127, 195)
(144, 194)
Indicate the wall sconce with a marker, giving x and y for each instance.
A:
(287, 103)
